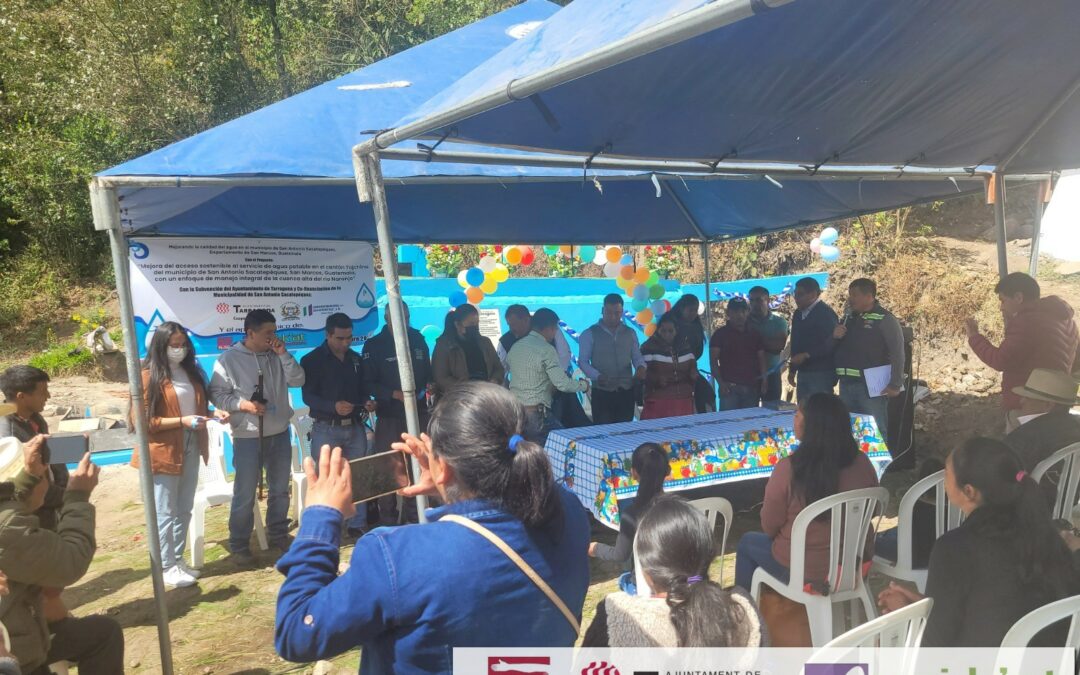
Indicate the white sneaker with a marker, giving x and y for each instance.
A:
(175, 577)
(190, 571)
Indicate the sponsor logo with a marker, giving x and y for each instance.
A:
(837, 669)
(223, 308)
(290, 310)
(600, 668)
(309, 310)
(519, 665)
(224, 342)
(139, 251)
(364, 297)
(294, 338)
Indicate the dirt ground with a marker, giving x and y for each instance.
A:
(225, 624)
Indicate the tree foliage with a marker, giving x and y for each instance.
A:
(86, 84)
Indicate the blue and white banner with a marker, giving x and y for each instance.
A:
(209, 286)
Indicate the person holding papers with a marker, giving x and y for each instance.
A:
(869, 354)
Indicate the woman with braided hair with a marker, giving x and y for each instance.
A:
(649, 467)
(674, 549)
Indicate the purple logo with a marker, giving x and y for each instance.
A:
(837, 669)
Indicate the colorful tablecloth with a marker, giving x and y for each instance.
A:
(708, 449)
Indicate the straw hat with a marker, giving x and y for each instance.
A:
(11, 457)
(1050, 385)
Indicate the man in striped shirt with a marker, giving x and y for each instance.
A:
(536, 373)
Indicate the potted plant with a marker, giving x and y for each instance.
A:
(444, 260)
(664, 260)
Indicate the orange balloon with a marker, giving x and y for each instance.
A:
(650, 328)
(566, 249)
(642, 275)
(644, 317)
(475, 295)
(627, 272)
(513, 255)
(613, 254)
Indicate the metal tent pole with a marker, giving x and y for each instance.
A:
(708, 292)
(1033, 262)
(369, 186)
(106, 210)
(999, 224)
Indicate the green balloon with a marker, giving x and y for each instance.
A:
(639, 305)
(654, 279)
(551, 250)
(656, 291)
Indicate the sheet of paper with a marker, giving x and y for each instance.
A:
(877, 379)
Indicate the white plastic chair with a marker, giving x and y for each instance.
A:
(946, 517)
(215, 489)
(713, 507)
(301, 430)
(1068, 481)
(902, 629)
(851, 515)
(1024, 630)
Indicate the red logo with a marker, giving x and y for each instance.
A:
(224, 342)
(222, 308)
(602, 668)
(519, 665)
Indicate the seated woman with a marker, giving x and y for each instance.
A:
(827, 461)
(1003, 561)
(649, 466)
(674, 549)
(671, 373)
(413, 593)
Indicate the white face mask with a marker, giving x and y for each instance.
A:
(177, 354)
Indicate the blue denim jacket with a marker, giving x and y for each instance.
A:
(413, 593)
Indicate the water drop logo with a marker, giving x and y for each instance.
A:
(139, 250)
(365, 299)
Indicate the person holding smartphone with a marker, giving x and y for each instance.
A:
(177, 409)
(260, 359)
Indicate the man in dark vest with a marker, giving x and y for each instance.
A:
(869, 340)
(381, 375)
(609, 354)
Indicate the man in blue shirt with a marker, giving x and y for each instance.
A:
(336, 394)
(773, 330)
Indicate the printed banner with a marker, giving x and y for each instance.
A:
(209, 286)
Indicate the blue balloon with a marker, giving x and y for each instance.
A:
(658, 308)
(828, 236)
(587, 253)
(474, 277)
(639, 305)
(627, 259)
(641, 292)
(458, 298)
(830, 254)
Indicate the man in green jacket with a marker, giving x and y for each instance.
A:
(33, 557)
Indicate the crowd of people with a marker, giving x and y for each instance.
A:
(512, 544)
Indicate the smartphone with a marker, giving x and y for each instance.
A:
(379, 475)
(67, 449)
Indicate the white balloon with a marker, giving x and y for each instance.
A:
(611, 270)
(600, 258)
(815, 245)
(487, 263)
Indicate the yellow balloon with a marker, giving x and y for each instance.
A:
(513, 255)
(614, 254)
(490, 285)
(501, 273)
(623, 283)
(649, 329)
(645, 317)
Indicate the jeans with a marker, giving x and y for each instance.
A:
(610, 407)
(567, 408)
(776, 387)
(741, 396)
(854, 395)
(754, 551)
(94, 643)
(810, 382)
(174, 497)
(352, 440)
(248, 461)
(538, 424)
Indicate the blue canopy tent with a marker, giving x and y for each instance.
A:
(286, 171)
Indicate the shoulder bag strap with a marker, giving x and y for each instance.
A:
(520, 562)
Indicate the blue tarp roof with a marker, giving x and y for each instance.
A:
(311, 135)
(949, 84)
